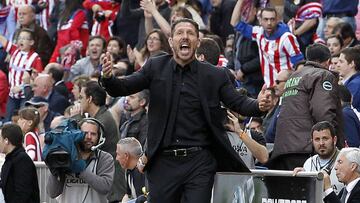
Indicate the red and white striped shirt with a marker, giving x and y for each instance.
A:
(275, 54)
(20, 62)
(44, 15)
(222, 61)
(309, 11)
(32, 143)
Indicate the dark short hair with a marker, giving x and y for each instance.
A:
(337, 55)
(210, 49)
(31, 33)
(341, 41)
(13, 133)
(317, 53)
(352, 54)
(98, 94)
(269, 9)
(323, 125)
(345, 30)
(344, 94)
(257, 119)
(121, 43)
(144, 94)
(56, 73)
(103, 40)
(218, 41)
(185, 20)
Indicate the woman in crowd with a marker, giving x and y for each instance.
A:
(72, 28)
(29, 119)
(156, 44)
(19, 181)
(335, 44)
(117, 47)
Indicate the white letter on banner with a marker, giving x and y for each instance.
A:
(263, 200)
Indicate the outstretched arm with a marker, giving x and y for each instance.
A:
(258, 151)
(236, 15)
(150, 7)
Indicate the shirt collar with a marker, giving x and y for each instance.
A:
(351, 185)
(192, 66)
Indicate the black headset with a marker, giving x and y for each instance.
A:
(102, 130)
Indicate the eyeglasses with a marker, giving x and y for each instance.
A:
(23, 38)
(153, 39)
(279, 81)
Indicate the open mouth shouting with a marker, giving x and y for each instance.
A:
(185, 48)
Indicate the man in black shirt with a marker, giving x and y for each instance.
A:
(186, 141)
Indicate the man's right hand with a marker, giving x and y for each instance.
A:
(106, 63)
(297, 170)
(142, 163)
(327, 182)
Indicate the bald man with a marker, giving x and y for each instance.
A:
(43, 45)
(43, 87)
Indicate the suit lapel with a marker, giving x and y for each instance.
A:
(355, 190)
(201, 83)
(169, 70)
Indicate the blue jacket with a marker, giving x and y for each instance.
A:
(349, 7)
(351, 127)
(353, 85)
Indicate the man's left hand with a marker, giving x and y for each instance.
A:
(264, 99)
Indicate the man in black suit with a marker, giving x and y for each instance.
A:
(186, 141)
(56, 72)
(348, 172)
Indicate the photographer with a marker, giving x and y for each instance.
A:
(94, 183)
(324, 143)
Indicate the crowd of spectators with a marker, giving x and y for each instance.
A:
(306, 53)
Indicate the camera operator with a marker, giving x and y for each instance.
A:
(94, 183)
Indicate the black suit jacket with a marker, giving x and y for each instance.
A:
(353, 198)
(62, 89)
(57, 102)
(19, 181)
(214, 87)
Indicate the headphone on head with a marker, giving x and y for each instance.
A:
(102, 130)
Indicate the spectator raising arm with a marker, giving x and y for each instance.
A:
(259, 151)
(236, 15)
(150, 7)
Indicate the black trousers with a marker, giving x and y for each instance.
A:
(182, 179)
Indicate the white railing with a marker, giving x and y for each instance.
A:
(43, 174)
